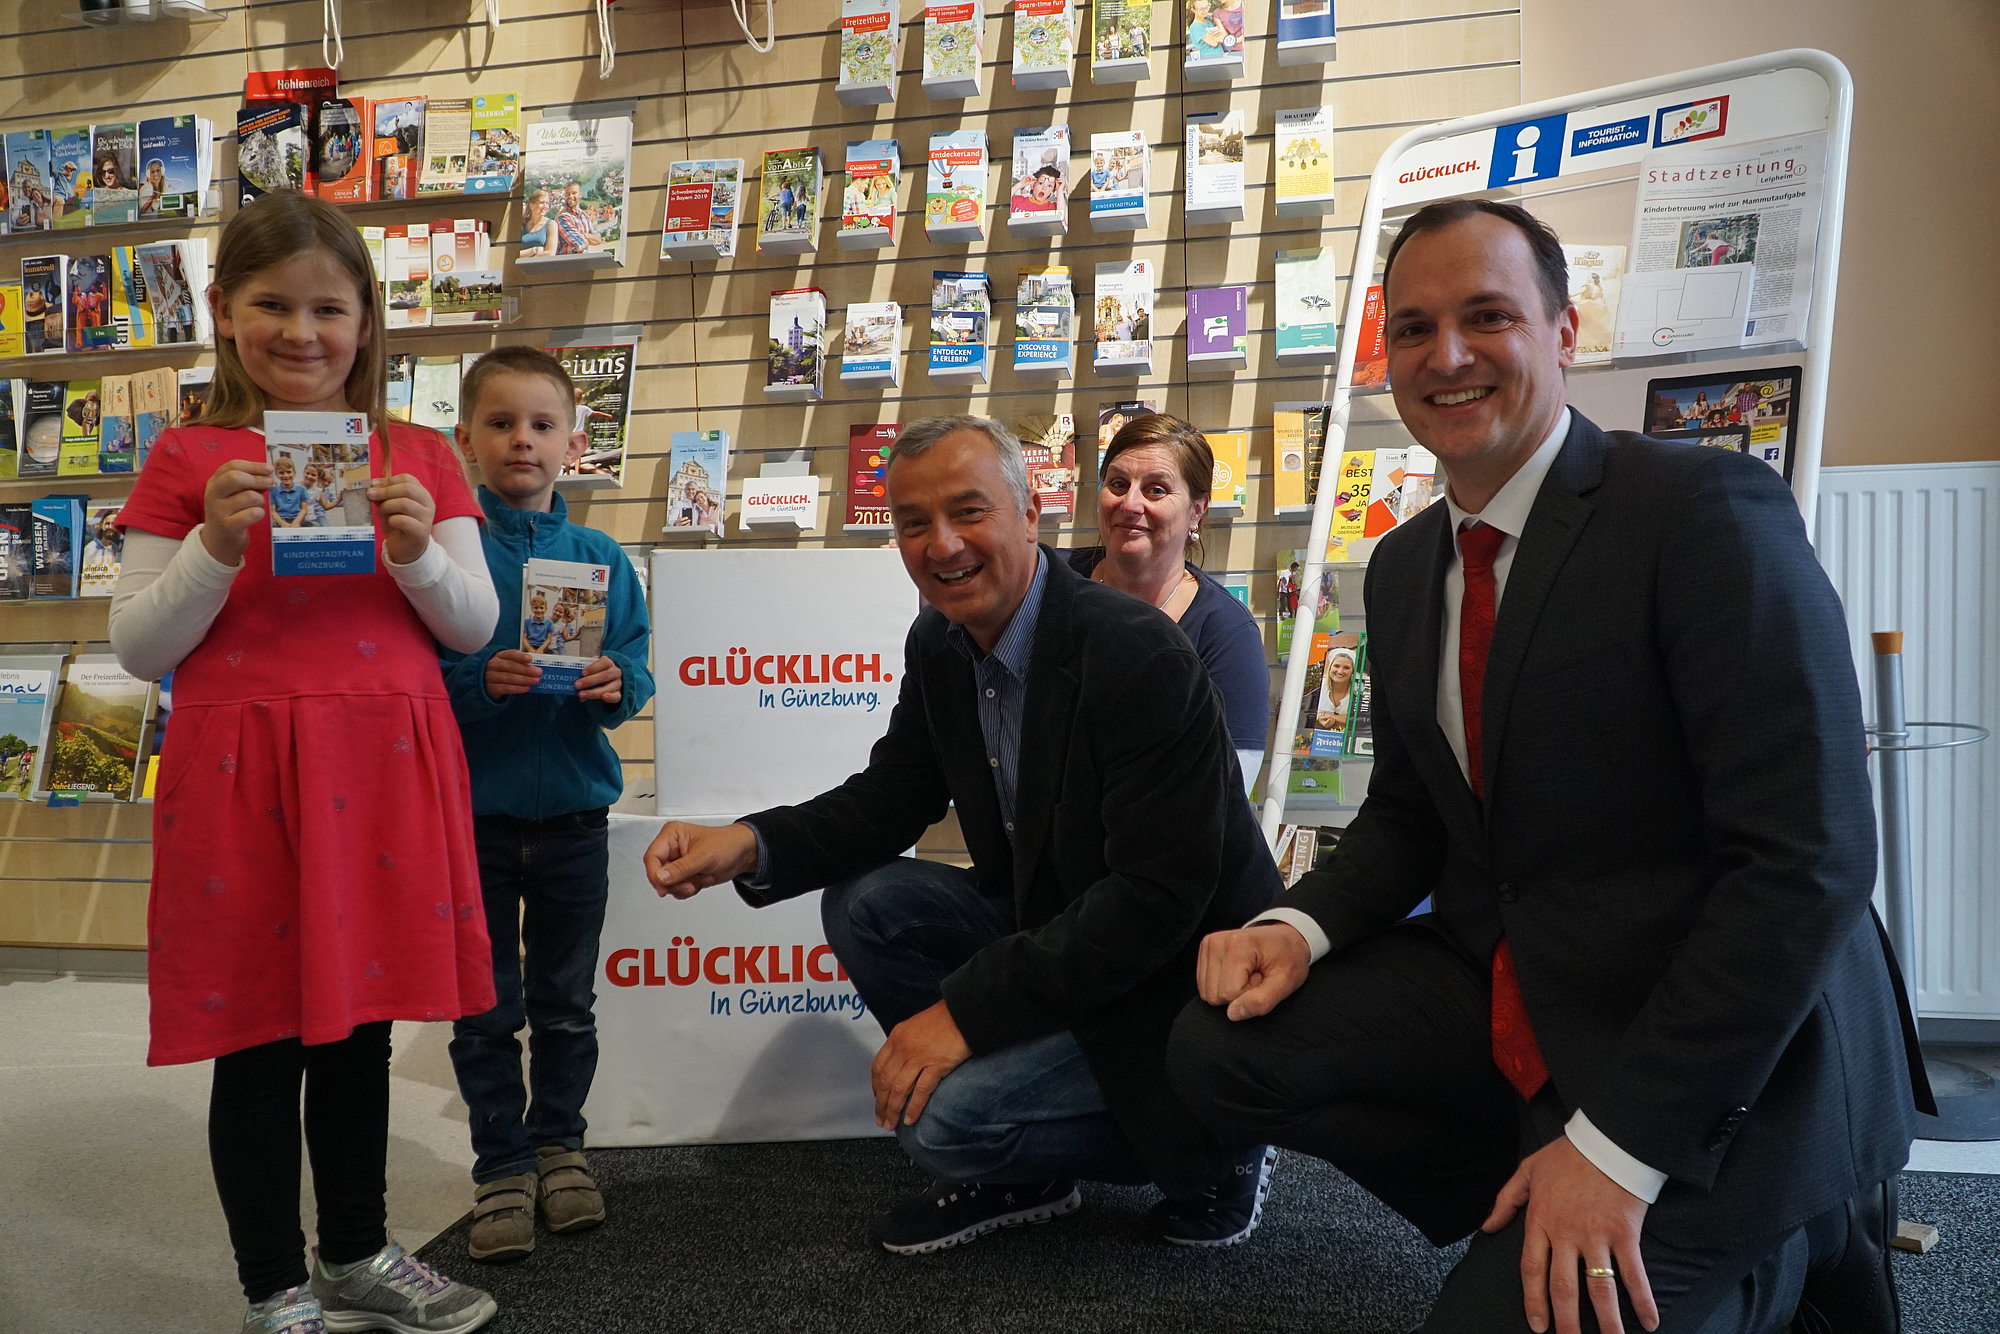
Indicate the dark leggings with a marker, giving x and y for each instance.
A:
(253, 1144)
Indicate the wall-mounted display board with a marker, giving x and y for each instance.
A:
(700, 96)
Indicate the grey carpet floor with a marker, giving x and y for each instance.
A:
(770, 1237)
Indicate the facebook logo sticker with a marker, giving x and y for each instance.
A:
(1528, 150)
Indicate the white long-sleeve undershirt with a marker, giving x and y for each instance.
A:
(169, 593)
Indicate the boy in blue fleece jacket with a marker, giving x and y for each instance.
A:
(543, 778)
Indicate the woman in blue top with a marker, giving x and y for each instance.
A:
(1152, 493)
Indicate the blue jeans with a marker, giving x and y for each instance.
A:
(1027, 1113)
(545, 883)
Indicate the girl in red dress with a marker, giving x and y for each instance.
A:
(314, 875)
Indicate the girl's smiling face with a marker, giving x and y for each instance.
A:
(297, 326)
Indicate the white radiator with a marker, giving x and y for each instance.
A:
(1916, 548)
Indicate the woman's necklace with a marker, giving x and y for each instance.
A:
(1174, 588)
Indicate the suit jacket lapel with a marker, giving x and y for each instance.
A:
(1554, 524)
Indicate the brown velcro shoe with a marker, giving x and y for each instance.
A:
(570, 1202)
(503, 1219)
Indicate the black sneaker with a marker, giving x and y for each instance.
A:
(1221, 1215)
(950, 1213)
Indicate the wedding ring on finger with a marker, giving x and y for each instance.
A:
(1594, 1271)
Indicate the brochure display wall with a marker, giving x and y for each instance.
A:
(77, 876)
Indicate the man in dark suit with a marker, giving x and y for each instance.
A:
(1648, 1041)
(1027, 1000)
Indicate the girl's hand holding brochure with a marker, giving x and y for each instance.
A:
(406, 509)
(232, 501)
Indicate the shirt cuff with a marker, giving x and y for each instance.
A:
(203, 568)
(1614, 1162)
(759, 879)
(1315, 938)
(422, 572)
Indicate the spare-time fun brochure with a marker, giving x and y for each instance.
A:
(563, 605)
(321, 522)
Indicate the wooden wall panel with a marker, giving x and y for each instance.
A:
(76, 876)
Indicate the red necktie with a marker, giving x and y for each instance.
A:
(1515, 1050)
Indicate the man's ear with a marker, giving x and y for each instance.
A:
(1566, 334)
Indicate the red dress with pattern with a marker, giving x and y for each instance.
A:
(313, 861)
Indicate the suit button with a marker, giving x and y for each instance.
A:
(1507, 892)
(1725, 1129)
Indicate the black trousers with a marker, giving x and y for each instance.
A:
(253, 1145)
(1381, 1064)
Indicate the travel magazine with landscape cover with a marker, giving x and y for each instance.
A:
(100, 719)
(580, 168)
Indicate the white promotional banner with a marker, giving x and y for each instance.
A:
(720, 1023)
(776, 669)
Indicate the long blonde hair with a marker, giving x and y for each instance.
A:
(270, 231)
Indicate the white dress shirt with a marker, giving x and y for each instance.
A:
(1508, 511)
